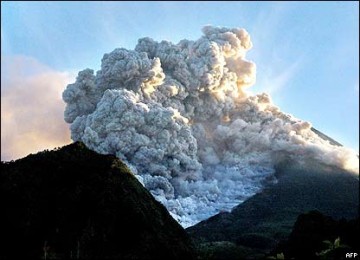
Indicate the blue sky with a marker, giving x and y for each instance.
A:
(307, 53)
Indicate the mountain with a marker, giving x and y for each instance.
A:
(317, 235)
(325, 137)
(72, 203)
(257, 225)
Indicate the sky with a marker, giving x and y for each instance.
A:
(307, 57)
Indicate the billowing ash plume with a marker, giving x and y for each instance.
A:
(178, 114)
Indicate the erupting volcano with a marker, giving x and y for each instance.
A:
(180, 117)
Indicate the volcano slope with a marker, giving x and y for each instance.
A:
(256, 226)
(76, 204)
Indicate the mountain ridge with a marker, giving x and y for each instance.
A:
(325, 137)
(267, 218)
(75, 203)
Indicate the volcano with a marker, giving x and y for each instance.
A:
(181, 117)
(72, 203)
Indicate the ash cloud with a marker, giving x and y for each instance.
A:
(181, 118)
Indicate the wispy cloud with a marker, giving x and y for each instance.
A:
(31, 107)
(276, 61)
(274, 80)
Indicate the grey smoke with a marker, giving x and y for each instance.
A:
(180, 117)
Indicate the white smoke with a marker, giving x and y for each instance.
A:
(179, 116)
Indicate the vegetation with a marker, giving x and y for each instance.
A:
(267, 218)
(73, 203)
(332, 248)
(312, 236)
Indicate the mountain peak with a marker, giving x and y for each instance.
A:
(75, 203)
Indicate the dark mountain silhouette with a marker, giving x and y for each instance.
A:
(257, 225)
(316, 236)
(325, 137)
(73, 203)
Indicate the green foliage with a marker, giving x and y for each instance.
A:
(278, 256)
(221, 250)
(331, 248)
(266, 219)
(316, 236)
(84, 205)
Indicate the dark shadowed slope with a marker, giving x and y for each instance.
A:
(325, 137)
(268, 217)
(316, 236)
(75, 203)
